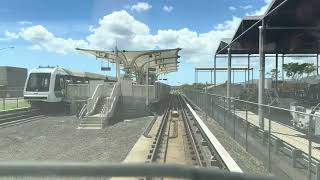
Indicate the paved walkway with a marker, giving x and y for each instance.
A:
(287, 134)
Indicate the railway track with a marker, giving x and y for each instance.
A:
(182, 139)
(19, 116)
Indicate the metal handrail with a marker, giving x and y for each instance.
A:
(259, 104)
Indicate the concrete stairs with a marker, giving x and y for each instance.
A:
(94, 121)
(91, 122)
(99, 106)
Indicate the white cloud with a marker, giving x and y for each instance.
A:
(246, 7)
(141, 6)
(260, 11)
(130, 34)
(35, 47)
(9, 36)
(24, 22)
(167, 8)
(229, 24)
(122, 29)
(232, 8)
(42, 38)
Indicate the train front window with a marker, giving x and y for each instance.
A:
(38, 82)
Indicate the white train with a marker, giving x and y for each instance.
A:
(47, 84)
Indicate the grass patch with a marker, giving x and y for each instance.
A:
(12, 104)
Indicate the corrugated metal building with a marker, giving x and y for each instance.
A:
(12, 80)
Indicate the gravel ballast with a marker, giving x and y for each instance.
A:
(58, 139)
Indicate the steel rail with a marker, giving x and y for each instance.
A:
(159, 134)
(167, 140)
(21, 121)
(216, 148)
(190, 134)
(19, 116)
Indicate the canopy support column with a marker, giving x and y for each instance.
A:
(261, 76)
(117, 65)
(215, 71)
(248, 70)
(229, 78)
(276, 84)
(282, 67)
(317, 64)
(147, 83)
(195, 75)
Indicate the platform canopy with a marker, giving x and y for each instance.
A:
(138, 61)
(293, 28)
(223, 43)
(166, 69)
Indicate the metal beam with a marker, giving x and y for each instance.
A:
(317, 64)
(266, 55)
(276, 72)
(282, 63)
(117, 65)
(147, 82)
(315, 28)
(249, 69)
(223, 69)
(261, 76)
(229, 78)
(215, 72)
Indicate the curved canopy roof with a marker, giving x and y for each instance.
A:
(137, 60)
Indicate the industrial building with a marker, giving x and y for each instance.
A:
(12, 80)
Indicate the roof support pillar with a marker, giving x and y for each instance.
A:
(195, 75)
(215, 71)
(317, 64)
(211, 76)
(282, 71)
(229, 78)
(117, 64)
(147, 83)
(248, 83)
(261, 76)
(276, 84)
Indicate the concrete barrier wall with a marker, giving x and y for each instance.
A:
(142, 91)
(156, 91)
(162, 90)
(132, 107)
(77, 91)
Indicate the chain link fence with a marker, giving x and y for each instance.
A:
(12, 99)
(283, 148)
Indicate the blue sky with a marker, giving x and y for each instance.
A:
(46, 32)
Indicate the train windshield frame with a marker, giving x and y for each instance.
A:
(38, 82)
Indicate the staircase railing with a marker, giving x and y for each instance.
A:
(82, 111)
(92, 102)
(109, 103)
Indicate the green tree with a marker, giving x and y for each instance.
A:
(296, 70)
(274, 73)
(309, 68)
